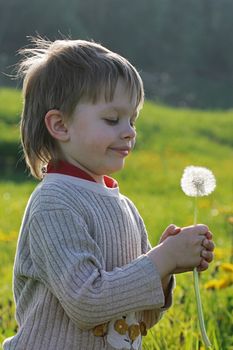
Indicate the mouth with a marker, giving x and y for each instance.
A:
(122, 151)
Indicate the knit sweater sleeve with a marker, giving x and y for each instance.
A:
(69, 262)
(151, 317)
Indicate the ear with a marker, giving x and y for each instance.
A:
(56, 126)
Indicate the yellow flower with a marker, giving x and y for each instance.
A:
(228, 267)
(230, 220)
(219, 283)
(212, 284)
(225, 282)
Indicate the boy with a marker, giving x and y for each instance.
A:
(85, 276)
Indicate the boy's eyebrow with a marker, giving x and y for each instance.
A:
(122, 110)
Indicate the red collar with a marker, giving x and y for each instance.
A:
(63, 167)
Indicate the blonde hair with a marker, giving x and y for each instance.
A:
(57, 75)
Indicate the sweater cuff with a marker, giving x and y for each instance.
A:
(153, 280)
(169, 298)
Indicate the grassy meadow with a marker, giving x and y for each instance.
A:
(168, 141)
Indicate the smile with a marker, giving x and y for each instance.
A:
(121, 151)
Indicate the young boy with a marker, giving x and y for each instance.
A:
(85, 276)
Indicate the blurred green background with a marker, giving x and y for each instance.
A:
(183, 48)
(169, 139)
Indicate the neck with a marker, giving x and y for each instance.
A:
(98, 178)
(74, 169)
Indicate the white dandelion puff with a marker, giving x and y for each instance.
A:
(197, 181)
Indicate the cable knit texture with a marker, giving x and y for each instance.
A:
(80, 262)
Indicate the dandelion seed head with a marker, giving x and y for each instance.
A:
(197, 181)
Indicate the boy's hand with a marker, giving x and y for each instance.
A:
(181, 250)
(207, 243)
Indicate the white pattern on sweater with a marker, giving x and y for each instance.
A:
(80, 262)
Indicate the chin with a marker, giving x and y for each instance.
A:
(114, 168)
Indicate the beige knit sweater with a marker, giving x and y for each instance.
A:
(80, 262)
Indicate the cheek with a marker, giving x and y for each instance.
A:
(94, 138)
(103, 136)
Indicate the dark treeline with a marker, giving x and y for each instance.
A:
(182, 48)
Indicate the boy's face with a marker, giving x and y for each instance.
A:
(102, 135)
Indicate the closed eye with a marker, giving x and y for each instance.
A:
(111, 121)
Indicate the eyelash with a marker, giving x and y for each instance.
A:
(111, 121)
(115, 121)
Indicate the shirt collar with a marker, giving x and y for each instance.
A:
(65, 168)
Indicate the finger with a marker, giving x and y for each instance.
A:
(207, 255)
(202, 229)
(209, 245)
(201, 240)
(173, 229)
(177, 230)
(203, 266)
(170, 230)
(209, 235)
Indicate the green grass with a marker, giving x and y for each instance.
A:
(10, 105)
(168, 140)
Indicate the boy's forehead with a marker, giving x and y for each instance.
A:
(122, 101)
(120, 109)
(104, 107)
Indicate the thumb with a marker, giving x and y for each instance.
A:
(170, 231)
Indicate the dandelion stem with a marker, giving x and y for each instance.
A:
(199, 309)
(195, 211)
(197, 293)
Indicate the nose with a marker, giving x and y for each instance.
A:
(128, 131)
